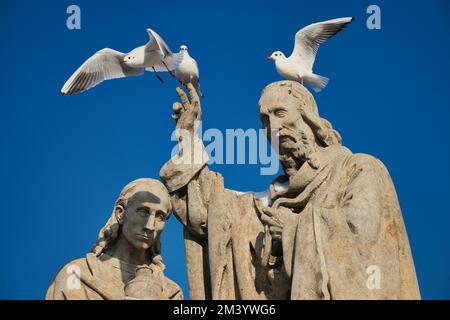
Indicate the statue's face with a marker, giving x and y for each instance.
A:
(278, 110)
(144, 218)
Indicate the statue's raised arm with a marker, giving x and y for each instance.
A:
(223, 234)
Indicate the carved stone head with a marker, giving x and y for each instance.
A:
(288, 108)
(139, 215)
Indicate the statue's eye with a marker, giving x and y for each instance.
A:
(159, 215)
(143, 211)
(280, 113)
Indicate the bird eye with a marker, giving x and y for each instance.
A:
(129, 58)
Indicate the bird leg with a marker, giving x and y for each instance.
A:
(157, 75)
(301, 80)
(184, 85)
(170, 72)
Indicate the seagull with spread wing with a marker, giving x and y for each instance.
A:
(298, 66)
(106, 64)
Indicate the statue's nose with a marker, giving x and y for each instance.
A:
(150, 225)
(274, 124)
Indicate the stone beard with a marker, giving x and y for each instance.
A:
(283, 111)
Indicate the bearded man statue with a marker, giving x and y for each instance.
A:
(330, 227)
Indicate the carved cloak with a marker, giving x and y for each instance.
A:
(223, 236)
(347, 224)
(348, 240)
(99, 278)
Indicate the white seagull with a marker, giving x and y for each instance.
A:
(187, 70)
(107, 64)
(298, 66)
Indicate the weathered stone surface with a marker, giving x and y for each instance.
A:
(335, 221)
(125, 262)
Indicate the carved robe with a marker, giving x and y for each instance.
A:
(345, 222)
(348, 234)
(99, 278)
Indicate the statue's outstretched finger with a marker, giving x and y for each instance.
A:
(268, 211)
(264, 219)
(194, 96)
(267, 220)
(183, 97)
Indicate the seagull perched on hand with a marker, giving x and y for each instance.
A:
(106, 64)
(298, 66)
(187, 70)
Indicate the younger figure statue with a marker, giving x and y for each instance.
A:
(125, 262)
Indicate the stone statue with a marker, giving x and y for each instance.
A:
(331, 227)
(125, 262)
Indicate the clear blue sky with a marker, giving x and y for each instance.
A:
(65, 159)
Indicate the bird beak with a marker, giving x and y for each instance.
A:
(269, 58)
(122, 61)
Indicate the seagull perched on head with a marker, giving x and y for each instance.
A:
(107, 64)
(298, 66)
(187, 70)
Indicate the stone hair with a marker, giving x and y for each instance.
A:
(110, 232)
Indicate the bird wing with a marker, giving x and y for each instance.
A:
(156, 43)
(172, 61)
(196, 66)
(103, 65)
(308, 39)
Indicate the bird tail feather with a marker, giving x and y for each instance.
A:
(197, 88)
(199, 92)
(317, 82)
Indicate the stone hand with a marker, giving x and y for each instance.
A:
(147, 285)
(275, 219)
(188, 111)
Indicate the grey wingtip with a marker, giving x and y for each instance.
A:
(66, 93)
